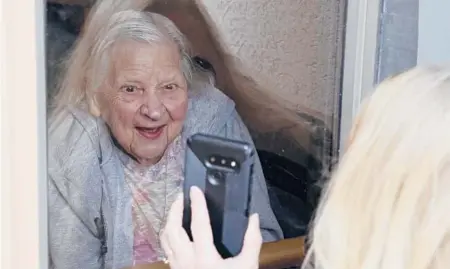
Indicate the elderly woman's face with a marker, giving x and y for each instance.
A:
(145, 101)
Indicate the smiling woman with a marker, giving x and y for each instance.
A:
(144, 99)
(129, 98)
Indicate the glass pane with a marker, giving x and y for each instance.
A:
(397, 38)
(281, 65)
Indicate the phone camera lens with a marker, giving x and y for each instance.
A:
(216, 177)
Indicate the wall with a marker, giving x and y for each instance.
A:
(434, 32)
(294, 46)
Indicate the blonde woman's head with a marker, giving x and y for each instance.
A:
(387, 205)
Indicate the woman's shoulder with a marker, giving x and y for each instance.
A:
(74, 136)
(209, 108)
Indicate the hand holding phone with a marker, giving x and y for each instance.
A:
(201, 253)
(222, 169)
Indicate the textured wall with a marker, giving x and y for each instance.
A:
(398, 32)
(293, 45)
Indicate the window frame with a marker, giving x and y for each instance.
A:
(360, 59)
(23, 153)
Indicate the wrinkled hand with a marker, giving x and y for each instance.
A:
(202, 254)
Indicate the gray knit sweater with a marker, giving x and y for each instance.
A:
(90, 204)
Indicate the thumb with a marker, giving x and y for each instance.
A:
(249, 256)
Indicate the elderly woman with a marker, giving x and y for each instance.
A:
(117, 133)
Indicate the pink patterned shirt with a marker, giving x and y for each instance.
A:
(154, 189)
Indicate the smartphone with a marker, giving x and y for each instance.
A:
(222, 169)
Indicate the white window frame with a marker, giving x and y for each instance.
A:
(434, 32)
(23, 135)
(23, 99)
(360, 53)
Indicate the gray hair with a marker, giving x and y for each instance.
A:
(89, 63)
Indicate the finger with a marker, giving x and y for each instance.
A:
(180, 257)
(174, 240)
(178, 249)
(175, 217)
(201, 225)
(252, 244)
(167, 249)
(253, 238)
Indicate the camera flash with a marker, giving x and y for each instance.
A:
(233, 164)
(223, 161)
(212, 159)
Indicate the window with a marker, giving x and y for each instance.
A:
(24, 32)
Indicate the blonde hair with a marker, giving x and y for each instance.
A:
(387, 204)
(108, 22)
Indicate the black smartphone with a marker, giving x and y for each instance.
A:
(222, 169)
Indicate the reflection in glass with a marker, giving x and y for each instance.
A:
(287, 92)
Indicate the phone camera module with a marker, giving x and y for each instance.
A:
(221, 162)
